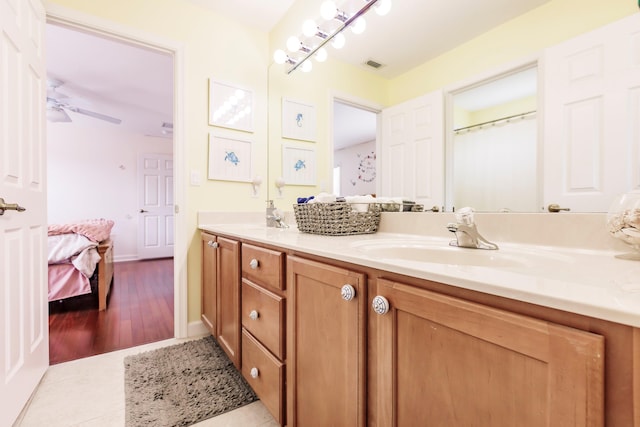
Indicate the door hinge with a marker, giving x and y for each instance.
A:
(176, 208)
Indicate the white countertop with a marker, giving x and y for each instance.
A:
(589, 282)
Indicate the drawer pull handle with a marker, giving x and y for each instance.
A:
(380, 305)
(213, 244)
(254, 372)
(254, 264)
(348, 292)
(254, 315)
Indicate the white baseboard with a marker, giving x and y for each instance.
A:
(197, 328)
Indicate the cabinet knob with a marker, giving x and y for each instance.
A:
(254, 263)
(213, 244)
(254, 372)
(380, 304)
(348, 292)
(254, 315)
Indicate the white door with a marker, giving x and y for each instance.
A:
(24, 334)
(155, 225)
(412, 150)
(591, 104)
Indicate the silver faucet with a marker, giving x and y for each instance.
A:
(467, 235)
(274, 217)
(277, 221)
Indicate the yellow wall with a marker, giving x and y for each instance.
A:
(519, 38)
(220, 48)
(518, 106)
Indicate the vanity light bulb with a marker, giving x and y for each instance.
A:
(382, 7)
(306, 66)
(321, 55)
(338, 41)
(279, 56)
(328, 10)
(359, 25)
(309, 28)
(293, 44)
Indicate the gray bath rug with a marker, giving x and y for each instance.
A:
(182, 384)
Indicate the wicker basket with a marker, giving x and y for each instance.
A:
(336, 219)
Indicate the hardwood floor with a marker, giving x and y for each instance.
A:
(139, 311)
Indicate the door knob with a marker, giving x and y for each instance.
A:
(10, 207)
(554, 207)
(143, 211)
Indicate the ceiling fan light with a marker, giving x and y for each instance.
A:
(382, 7)
(57, 115)
(359, 25)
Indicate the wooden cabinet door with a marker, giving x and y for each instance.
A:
(450, 362)
(228, 298)
(208, 308)
(325, 345)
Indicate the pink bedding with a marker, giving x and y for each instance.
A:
(73, 256)
(94, 229)
(66, 281)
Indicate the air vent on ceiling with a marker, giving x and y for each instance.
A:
(373, 64)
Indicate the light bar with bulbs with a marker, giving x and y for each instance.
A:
(329, 11)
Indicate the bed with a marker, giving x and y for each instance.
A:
(80, 257)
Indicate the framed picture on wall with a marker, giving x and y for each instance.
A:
(298, 120)
(298, 165)
(230, 106)
(229, 159)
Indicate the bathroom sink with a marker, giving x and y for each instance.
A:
(439, 252)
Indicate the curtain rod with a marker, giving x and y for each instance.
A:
(515, 116)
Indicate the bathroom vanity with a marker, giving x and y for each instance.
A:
(388, 328)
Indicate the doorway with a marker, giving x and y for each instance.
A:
(355, 129)
(112, 152)
(492, 145)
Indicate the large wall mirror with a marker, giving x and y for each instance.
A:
(492, 143)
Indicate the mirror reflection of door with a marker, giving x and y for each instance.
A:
(494, 145)
(354, 150)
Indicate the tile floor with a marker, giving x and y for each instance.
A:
(90, 393)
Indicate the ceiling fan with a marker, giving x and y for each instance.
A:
(58, 105)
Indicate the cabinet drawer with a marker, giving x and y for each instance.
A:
(267, 324)
(268, 372)
(263, 266)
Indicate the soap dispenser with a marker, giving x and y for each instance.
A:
(271, 221)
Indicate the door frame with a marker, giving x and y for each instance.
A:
(92, 24)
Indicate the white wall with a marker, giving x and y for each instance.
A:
(357, 169)
(92, 173)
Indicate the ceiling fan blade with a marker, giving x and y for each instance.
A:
(94, 114)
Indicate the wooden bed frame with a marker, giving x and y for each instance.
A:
(105, 272)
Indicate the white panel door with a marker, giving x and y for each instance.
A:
(24, 334)
(412, 150)
(591, 87)
(155, 225)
